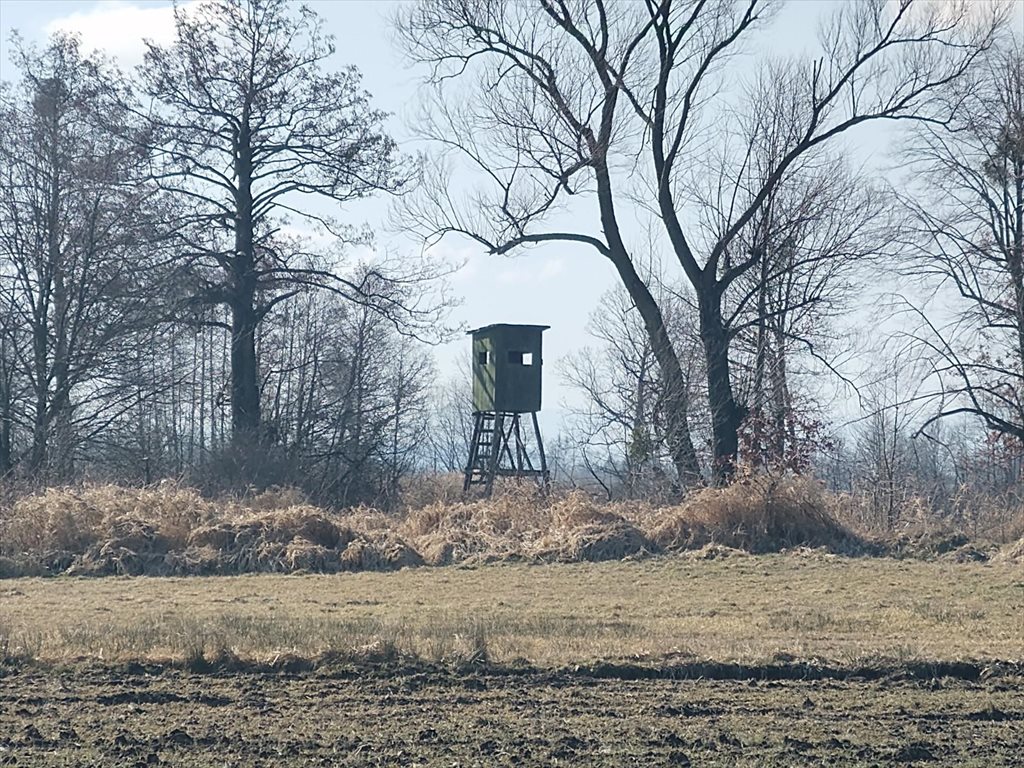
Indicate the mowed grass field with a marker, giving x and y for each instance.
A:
(750, 609)
(605, 664)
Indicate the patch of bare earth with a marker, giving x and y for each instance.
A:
(428, 716)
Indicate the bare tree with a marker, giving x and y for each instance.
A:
(371, 407)
(884, 447)
(246, 129)
(970, 246)
(821, 233)
(621, 427)
(450, 423)
(550, 101)
(74, 223)
(8, 382)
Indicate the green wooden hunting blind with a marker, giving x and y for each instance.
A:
(507, 368)
(507, 363)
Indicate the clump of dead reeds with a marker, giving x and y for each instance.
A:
(169, 529)
(427, 489)
(518, 524)
(582, 529)
(1012, 553)
(755, 514)
(501, 527)
(76, 519)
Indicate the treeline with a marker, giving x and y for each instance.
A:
(883, 453)
(175, 295)
(178, 296)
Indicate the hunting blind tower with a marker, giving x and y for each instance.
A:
(506, 384)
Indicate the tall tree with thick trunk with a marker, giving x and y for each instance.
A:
(556, 99)
(245, 124)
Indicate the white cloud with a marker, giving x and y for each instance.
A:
(552, 268)
(468, 258)
(118, 27)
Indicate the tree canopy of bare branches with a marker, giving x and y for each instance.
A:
(969, 206)
(246, 128)
(550, 101)
(74, 270)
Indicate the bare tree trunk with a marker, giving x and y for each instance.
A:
(245, 395)
(680, 443)
(785, 437)
(726, 413)
(677, 410)
(60, 402)
(40, 426)
(6, 412)
(758, 399)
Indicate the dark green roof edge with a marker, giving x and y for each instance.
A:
(505, 325)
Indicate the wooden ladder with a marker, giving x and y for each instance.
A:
(483, 451)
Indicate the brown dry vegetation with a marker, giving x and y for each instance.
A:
(704, 655)
(806, 607)
(1014, 553)
(173, 530)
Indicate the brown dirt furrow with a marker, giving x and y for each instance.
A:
(95, 716)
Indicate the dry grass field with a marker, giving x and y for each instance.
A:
(808, 606)
(845, 661)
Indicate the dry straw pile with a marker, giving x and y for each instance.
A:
(1013, 553)
(756, 514)
(167, 529)
(518, 526)
(172, 530)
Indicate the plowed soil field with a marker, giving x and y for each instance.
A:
(416, 715)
